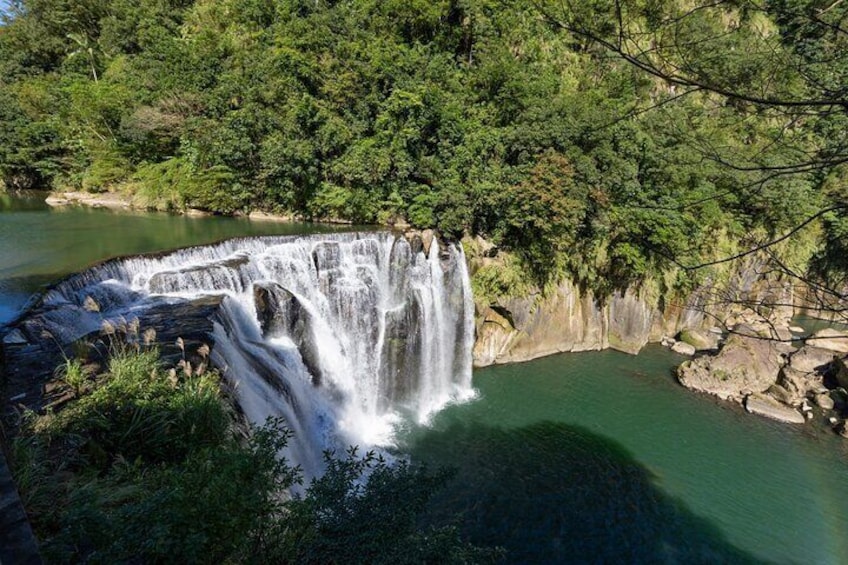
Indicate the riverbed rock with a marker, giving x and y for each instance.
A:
(683, 348)
(771, 408)
(699, 339)
(796, 329)
(744, 365)
(825, 402)
(831, 339)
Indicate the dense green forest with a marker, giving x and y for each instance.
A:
(609, 140)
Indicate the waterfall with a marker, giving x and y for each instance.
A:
(342, 335)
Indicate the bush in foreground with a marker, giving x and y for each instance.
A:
(143, 465)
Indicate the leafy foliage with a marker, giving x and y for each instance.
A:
(471, 117)
(145, 465)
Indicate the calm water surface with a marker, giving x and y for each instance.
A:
(40, 244)
(603, 458)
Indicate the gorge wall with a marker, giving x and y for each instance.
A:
(571, 319)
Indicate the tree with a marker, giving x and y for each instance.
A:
(783, 63)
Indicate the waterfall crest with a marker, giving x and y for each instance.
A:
(340, 334)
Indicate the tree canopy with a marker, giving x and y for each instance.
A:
(605, 139)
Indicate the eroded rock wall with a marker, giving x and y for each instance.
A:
(571, 318)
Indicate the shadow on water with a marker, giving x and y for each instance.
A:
(554, 493)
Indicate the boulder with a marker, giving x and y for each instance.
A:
(781, 394)
(744, 365)
(683, 348)
(771, 408)
(796, 329)
(825, 402)
(699, 339)
(831, 339)
(810, 359)
(799, 384)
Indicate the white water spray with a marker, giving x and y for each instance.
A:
(339, 334)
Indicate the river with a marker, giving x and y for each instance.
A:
(40, 244)
(592, 457)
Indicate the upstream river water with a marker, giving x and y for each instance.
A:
(579, 458)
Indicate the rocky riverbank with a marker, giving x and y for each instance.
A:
(738, 331)
(794, 380)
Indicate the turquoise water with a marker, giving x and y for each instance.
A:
(602, 457)
(40, 244)
(591, 457)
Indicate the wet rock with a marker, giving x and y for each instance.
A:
(771, 408)
(280, 314)
(796, 329)
(30, 365)
(831, 339)
(401, 354)
(14, 337)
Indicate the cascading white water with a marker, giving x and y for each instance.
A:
(339, 334)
